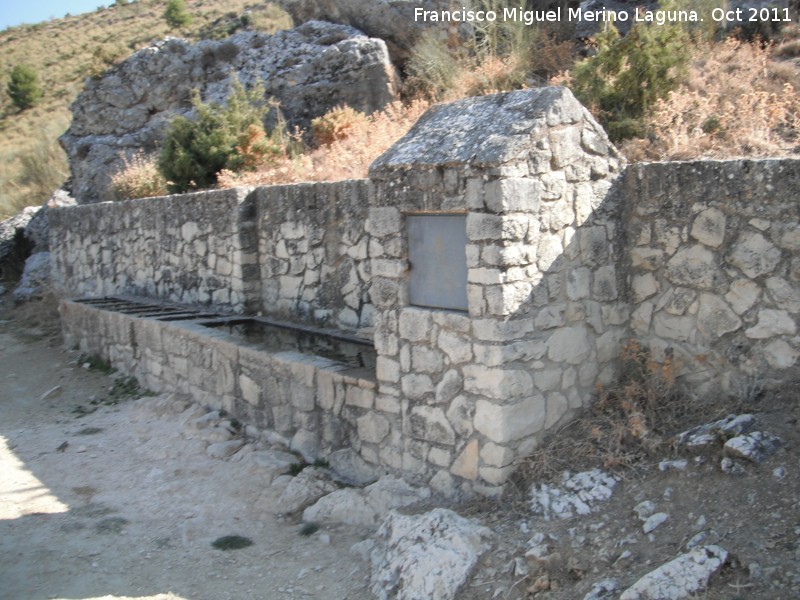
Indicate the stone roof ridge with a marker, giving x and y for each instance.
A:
(482, 131)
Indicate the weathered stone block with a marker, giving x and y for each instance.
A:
(715, 318)
(466, 463)
(415, 324)
(673, 328)
(384, 221)
(496, 456)
(780, 355)
(569, 344)
(372, 428)
(457, 347)
(416, 386)
(512, 195)
(644, 286)
(501, 384)
(695, 266)
(754, 255)
(449, 387)
(771, 323)
(709, 227)
(504, 423)
(429, 423)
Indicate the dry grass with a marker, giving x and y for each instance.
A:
(737, 102)
(138, 178)
(630, 423)
(348, 156)
(65, 51)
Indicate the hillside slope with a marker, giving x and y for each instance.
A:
(64, 52)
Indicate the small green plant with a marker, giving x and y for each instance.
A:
(96, 363)
(89, 431)
(231, 542)
(23, 87)
(433, 67)
(176, 14)
(629, 74)
(229, 136)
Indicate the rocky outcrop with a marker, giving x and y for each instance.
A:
(309, 70)
(27, 232)
(390, 20)
(426, 556)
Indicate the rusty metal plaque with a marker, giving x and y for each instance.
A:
(437, 246)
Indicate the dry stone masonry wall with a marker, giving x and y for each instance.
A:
(192, 249)
(558, 252)
(715, 267)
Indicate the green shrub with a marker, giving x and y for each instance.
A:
(229, 136)
(629, 74)
(432, 69)
(176, 14)
(23, 88)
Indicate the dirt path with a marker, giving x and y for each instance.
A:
(130, 506)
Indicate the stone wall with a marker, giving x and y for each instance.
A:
(309, 403)
(293, 252)
(566, 255)
(312, 249)
(714, 267)
(194, 249)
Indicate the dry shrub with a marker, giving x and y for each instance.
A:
(138, 178)
(551, 56)
(336, 125)
(737, 102)
(491, 75)
(631, 421)
(344, 158)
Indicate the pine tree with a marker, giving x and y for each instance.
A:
(23, 88)
(176, 14)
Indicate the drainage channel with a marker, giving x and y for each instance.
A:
(258, 332)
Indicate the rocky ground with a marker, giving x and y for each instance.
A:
(108, 494)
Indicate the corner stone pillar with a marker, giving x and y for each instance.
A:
(467, 393)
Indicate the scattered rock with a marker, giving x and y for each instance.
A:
(210, 419)
(779, 473)
(350, 467)
(309, 70)
(655, 521)
(51, 393)
(673, 465)
(311, 484)
(272, 463)
(576, 495)
(644, 509)
(755, 446)
(603, 590)
(426, 556)
(680, 577)
(365, 507)
(731, 467)
(704, 435)
(224, 449)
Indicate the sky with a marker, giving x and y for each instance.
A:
(16, 12)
